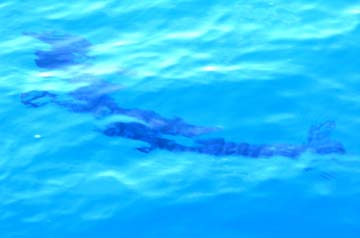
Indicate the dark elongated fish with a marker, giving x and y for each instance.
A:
(221, 147)
(95, 99)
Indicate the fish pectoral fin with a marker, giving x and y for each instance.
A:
(145, 149)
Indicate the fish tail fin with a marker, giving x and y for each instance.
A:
(319, 139)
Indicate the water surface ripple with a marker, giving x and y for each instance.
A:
(259, 71)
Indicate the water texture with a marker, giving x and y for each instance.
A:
(179, 119)
(95, 98)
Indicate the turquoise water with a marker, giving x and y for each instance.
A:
(261, 72)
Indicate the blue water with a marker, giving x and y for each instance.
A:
(260, 72)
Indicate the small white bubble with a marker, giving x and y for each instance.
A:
(210, 68)
(37, 136)
(45, 74)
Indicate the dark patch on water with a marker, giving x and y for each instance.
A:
(67, 50)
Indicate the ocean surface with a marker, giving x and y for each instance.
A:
(194, 77)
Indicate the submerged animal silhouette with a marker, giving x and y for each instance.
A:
(95, 99)
(102, 105)
(220, 147)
